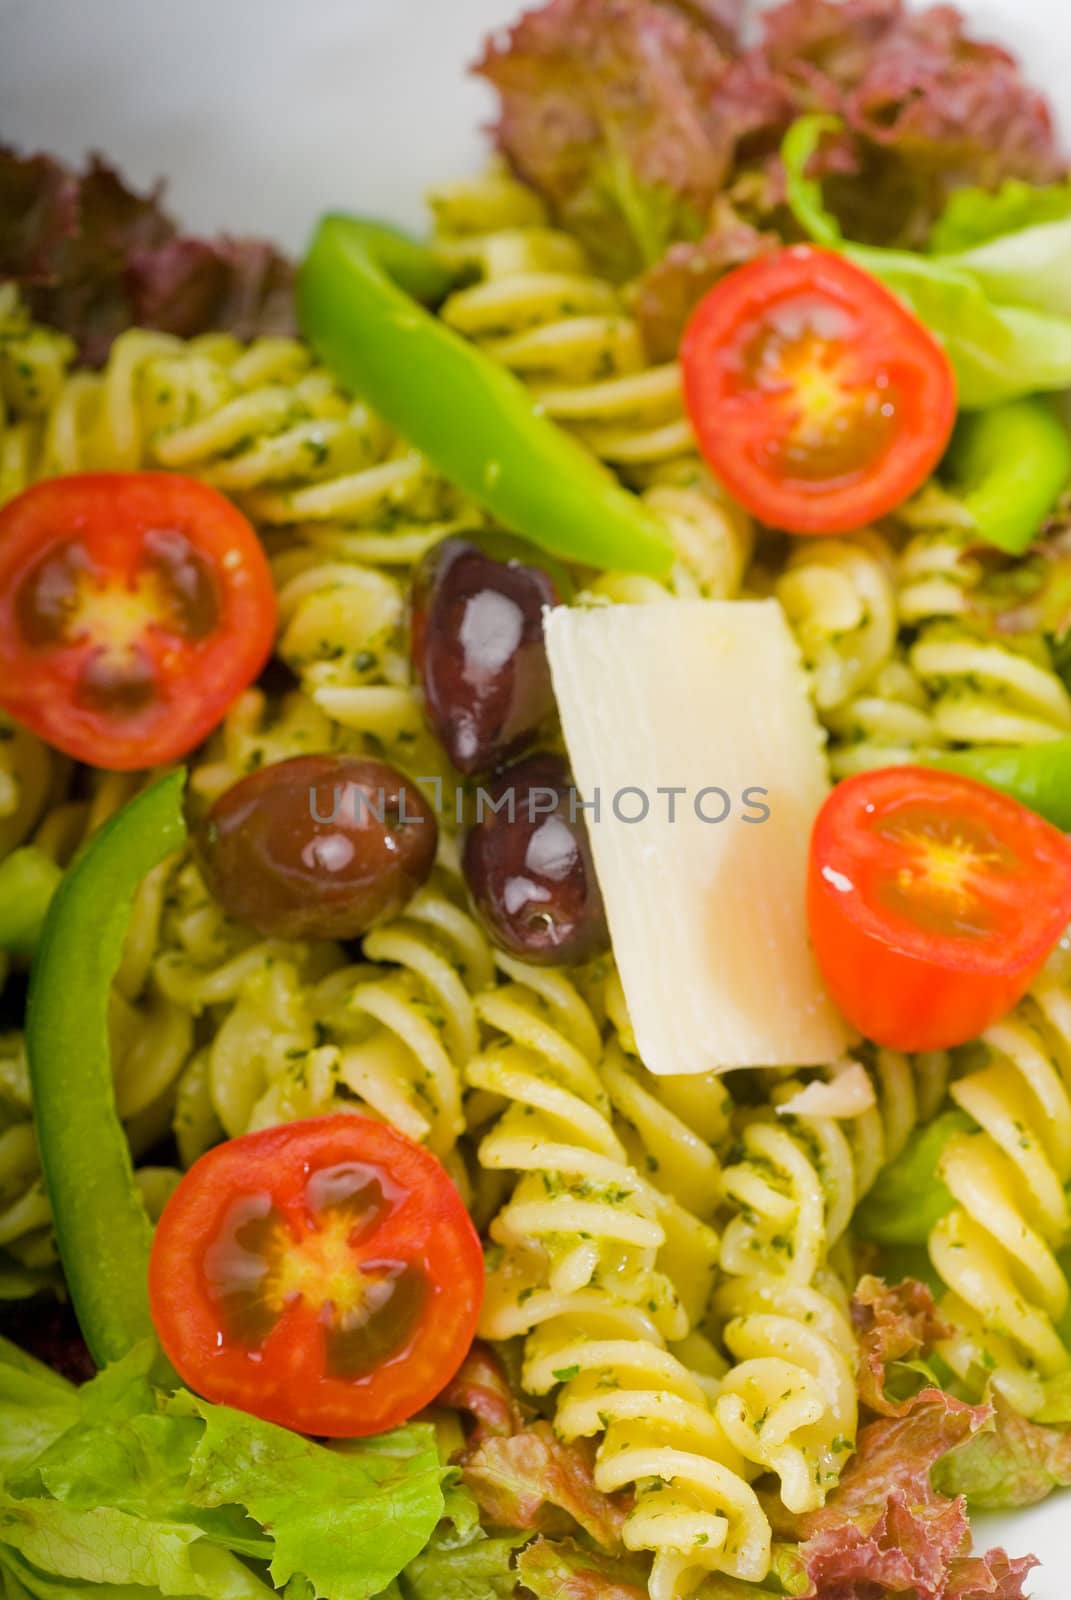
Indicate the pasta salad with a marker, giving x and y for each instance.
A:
(535, 783)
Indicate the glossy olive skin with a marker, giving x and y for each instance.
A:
(477, 644)
(532, 879)
(318, 847)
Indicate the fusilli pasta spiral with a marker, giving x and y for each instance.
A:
(996, 1249)
(608, 1276)
(296, 1031)
(985, 687)
(789, 1404)
(840, 597)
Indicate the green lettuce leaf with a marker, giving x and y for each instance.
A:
(899, 1261)
(1002, 310)
(908, 1197)
(20, 1580)
(36, 1406)
(104, 1545)
(118, 1484)
(1013, 1462)
(1029, 269)
(562, 1569)
(1016, 244)
(124, 1450)
(349, 1518)
(461, 1515)
(481, 1570)
(975, 216)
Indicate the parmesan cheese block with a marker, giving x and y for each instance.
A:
(690, 729)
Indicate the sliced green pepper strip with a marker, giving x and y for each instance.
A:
(102, 1227)
(805, 198)
(1009, 466)
(1037, 774)
(358, 294)
(28, 880)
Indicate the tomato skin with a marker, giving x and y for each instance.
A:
(286, 1378)
(745, 406)
(152, 570)
(926, 983)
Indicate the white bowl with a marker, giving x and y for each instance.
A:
(263, 113)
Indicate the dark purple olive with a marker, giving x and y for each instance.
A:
(319, 847)
(478, 647)
(529, 869)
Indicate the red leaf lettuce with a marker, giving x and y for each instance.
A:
(93, 257)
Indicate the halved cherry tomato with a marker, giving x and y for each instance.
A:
(932, 900)
(324, 1275)
(818, 399)
(134, 608)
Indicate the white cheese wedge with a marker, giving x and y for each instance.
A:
(849, 1094)
(707, 916)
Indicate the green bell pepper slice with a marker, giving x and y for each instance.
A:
(28, 880)
(1009, 466)
(358, 297)
(102, 1228)
(1039, 775)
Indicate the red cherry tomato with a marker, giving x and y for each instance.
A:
(134, 608)
(818, 399)
(932, 900)
(324, 1275)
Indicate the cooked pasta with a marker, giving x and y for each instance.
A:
(33, 370)
(343, 634)
(341, 624)
(789, 1225)
(840, 595)
(28, 774)
(257, 732)
(671, 1127)
(996, 1248)
(789, 1403)
(419, 997)
(271, 429)
(938, 568)
(671, 1258)
(988, 691)
(24, 1212)
(266, 426)
(542, 313)
(712, 537)
(607, 1271)
(902, 663)
(261, 422)
(890, 722)
(984, 687)
(298, 1031)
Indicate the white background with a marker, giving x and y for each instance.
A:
(262, 113)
